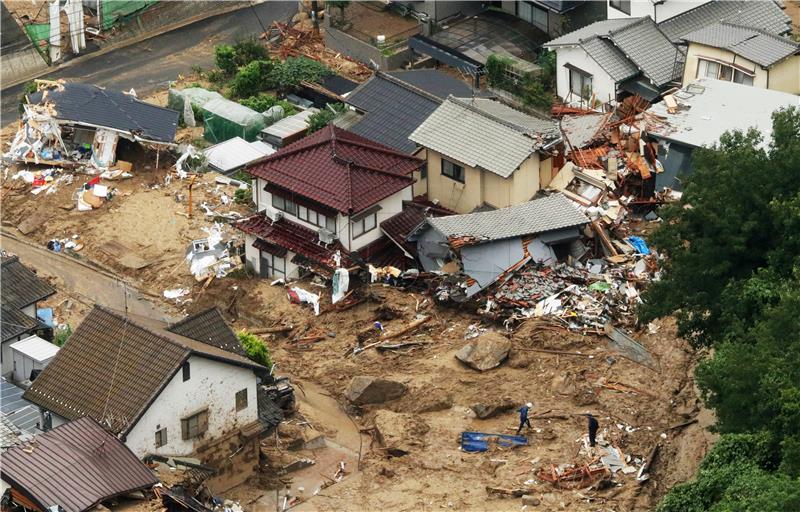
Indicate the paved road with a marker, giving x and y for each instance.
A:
(151, 64)
(94, 286)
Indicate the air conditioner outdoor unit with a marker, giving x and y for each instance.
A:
(278, 216)
(326, 236)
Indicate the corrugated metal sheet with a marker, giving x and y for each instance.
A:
(75, 466)
(36, 348)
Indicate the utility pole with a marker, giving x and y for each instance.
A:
(314, 17)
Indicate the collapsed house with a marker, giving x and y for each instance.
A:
(486, 246)
(80, 125)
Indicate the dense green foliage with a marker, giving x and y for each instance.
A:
(252, 79)
(533, 89)
(255, 348)
(262, 103)
(287, 75)
(732, 278)
(62, 335)
(230, 58)
(321, 119)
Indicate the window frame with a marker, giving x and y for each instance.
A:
(186, 371)
(451, 174)
(162, 437)
(703, 65)
(201, 425)
(362, 223)
(241, 404)
(620, 4)
(304, 213)
(583, 78)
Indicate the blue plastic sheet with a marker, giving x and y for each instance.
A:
(638, 244)
(479, 441)
(45, 315)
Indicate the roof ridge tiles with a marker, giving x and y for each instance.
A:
(488, 115)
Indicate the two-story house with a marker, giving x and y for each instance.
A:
(321, 198)
(744, 55)
(184, 389)
(22, 290)
(484, 154)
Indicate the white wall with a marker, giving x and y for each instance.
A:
(252, 256)
(659, 13)
(30, 310)
(602, 84)
(390, 206)
(213, 386)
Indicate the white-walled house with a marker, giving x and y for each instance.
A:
(659, 10)
(321, 198)
(158, 389)
(22, 291)
(610, 59)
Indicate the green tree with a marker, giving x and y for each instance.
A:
(252, 79)
(287, 75)
(225, 59)
(255, 349)
(320, 119)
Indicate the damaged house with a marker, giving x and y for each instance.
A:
(486, 246)
(321, 199)
(184, 389)
(77, 125)
(484, 154)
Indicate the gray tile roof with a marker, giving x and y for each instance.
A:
(13, 322)
(396, 103)
(23, 414)
(610, 58)
(21, 286)
(580, 130)
(209, 326)
(94, 105)
(485, 134)
(756, 45)
(537, 216)
(597, 28)
(765, 15)
(647, 47)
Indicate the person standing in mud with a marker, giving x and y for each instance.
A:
(593, 427)
(523, 417)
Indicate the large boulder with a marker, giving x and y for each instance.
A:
(484, 411)
(485, 352)
(365, 390)
(399, 433)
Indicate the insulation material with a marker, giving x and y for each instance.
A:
(104, 147)
(341, 283)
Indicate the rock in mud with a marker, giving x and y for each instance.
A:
(485, 352)
(398, 433)
(490, 410)
(365, 390)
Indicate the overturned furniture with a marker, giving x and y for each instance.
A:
(82, 125)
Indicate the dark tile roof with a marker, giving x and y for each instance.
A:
(338, 84)
(399, 226)
(114, 367)
(21, 286)
(13, 322)
(647, 47)
(765, 15)
(753, 44)
(75, 466)
(85, 103)
(23, 414)
(209, 326)
(396, 103)
(294, 237)
(338, 169)
(269, 412)
(382, 252)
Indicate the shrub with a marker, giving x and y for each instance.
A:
(535, 94)
(287, 75)
(62, 335)
(255, 348)
(251, 79)
(496, 66)
(28, 88)
(225, 59)
(321, 119)
(247, 50)
(262, 103)
(243, 196)
(216, 77)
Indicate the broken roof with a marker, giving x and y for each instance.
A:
(485, 133)
(755, 45)
(537, 216)
(625, 47)
(95, 106)
(580, 130)
(338, 169)
(21, 286)
(708, 108)
(766, 15)
(396, 103)
(114, 366)
(401, 225)
(75, 466)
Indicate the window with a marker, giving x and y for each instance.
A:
(621, 5)
(194, 425)
(365, 224)
(241, 399)
(304, 213)
(580, 83)
(452, 170)
(187, 372)
(161, 437)
(711, 69)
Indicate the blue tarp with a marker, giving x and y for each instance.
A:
(45, 315)
(638, 244)
(479, 441)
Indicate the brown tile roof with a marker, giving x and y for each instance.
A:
(14, 322)
(21, 286)
(76, 466)
(115, 366)
(209, 326)
(338, 169)
(399, 226)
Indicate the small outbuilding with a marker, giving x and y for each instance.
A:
(32, 353)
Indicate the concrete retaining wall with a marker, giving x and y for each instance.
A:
(364, 52)
(21, 64)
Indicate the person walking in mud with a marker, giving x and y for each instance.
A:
(593, 427)
(523, 417)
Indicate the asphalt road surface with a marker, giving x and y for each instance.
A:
(151, 64)
(94, 286)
